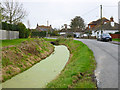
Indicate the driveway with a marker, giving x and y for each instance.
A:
(106, 56)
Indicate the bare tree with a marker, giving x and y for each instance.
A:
(13, 11)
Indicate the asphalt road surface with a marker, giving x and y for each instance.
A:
(106, 56)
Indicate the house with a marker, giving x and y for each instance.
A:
(44, 28)
(107, 26)
(76, 33)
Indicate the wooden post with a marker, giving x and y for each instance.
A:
(101, 17)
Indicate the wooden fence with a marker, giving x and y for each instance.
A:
(115, 35)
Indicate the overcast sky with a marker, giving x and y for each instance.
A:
(60, 12)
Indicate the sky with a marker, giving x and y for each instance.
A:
(60, 12)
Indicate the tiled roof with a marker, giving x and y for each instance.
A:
(107, 25)
(98, 21)
(43, 28)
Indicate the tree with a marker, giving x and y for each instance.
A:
(22, 30)
(12, 12)
(77, 23)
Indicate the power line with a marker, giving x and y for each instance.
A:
(110, 6)
(90, 11)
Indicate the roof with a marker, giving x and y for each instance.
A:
(98, 21)
(43, 28)
(105, 26)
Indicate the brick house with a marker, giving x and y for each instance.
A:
(44, 28)
(108, 26)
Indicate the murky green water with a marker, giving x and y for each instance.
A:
(41, 73)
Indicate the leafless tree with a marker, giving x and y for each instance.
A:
(13, 11)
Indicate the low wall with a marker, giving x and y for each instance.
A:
(8, 34)
(115, 35)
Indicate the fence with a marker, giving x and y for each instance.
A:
(8, 34)
(115, 35)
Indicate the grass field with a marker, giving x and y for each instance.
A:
(117, 39)
(79, 72)
(12, 42)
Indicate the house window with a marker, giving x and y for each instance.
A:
(105, 22)
(89, 26)
(112, 24)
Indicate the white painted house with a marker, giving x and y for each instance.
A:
(108, 26)
(78, 33)
(96, 33)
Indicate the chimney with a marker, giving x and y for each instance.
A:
(111, 19)
(37, 25)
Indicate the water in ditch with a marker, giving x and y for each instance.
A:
(43, 72)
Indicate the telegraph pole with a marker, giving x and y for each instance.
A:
(66, 29)
(47, 30)
(47, 23)
(101, 17)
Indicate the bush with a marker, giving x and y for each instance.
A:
(53, 33)
(5, 26)
(69, 36)
(23, 31)
(117, 32)
(39, 34)
(27, 33)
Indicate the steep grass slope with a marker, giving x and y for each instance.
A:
(19, 57)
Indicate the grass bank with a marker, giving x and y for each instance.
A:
(117, 39)
(79, 71)
(22, 54)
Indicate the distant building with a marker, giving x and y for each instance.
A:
(76, 33)
(108, 26)
(95, 24)
(44, 28)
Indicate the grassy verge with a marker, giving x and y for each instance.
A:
(49, 39)
(79, 71)
(12, 42)
(117, 39)
(19, 57)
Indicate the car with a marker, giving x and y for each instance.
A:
(104, 37)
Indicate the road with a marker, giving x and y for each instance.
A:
(106, 56)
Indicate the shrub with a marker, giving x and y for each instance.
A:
(23, 31)
(39, 34)
(117, 32)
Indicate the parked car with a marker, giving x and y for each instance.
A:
(104, 37)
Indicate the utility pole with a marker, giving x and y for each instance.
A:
(66, 29)
(101, 17)
(47, 23)
(47, 30)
